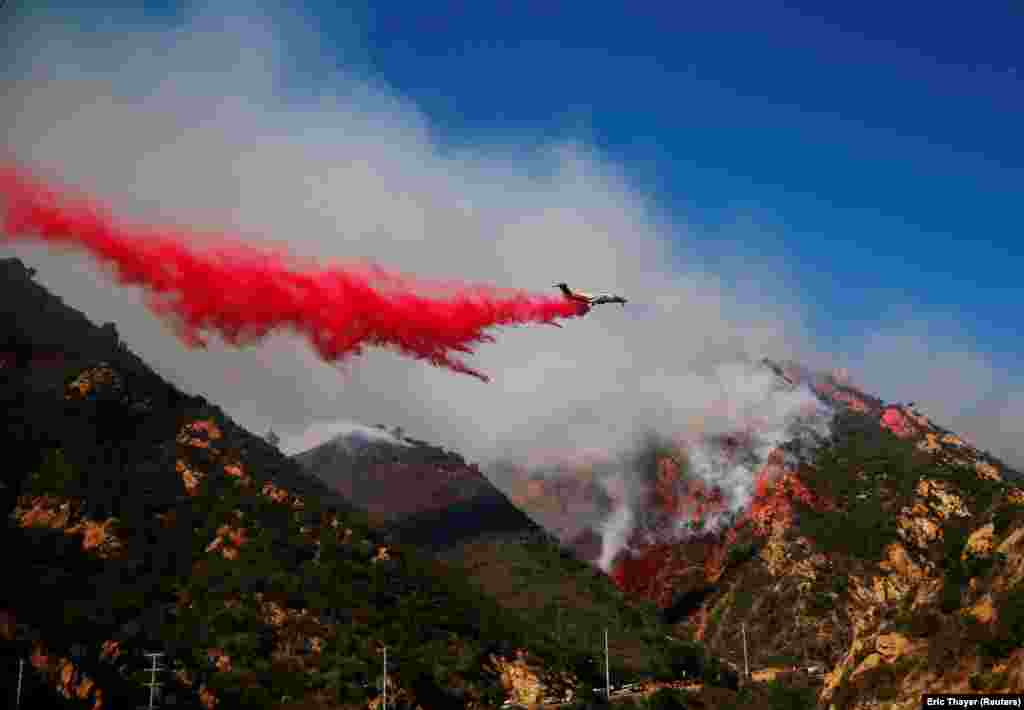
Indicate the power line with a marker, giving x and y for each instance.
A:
(21, 661)
(746, 665)
(152, 681)
(607, 671)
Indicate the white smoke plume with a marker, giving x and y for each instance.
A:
(765, 413)
(615, 532)
(746, 413)
(207, 123)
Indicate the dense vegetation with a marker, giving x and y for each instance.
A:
(436, 624)
(116, 456)
(869, 474)
(553, 590)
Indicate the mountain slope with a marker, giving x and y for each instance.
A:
(146, 520)
(153, 522)
(901, 569)
(890, 556)
(882, 555)
(429, 496)
(431, 499)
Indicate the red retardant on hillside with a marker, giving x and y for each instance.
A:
(244, 293)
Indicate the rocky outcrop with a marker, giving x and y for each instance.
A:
(62, 674)
(941, 500)
(528, 683)
(979, 543)
(99, 537)
(911, 665)
(907, 622)
(1012, 550)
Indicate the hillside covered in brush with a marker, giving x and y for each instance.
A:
(883, 562)
(893, 561)
(146, 520)
(428, 496)
(422, 496)
(886, 557)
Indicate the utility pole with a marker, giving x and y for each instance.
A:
(746, 664)
(21, 669)
(152, 682)
(607, 671)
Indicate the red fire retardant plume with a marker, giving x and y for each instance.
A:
(243, 293)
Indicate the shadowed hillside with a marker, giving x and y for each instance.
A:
(429, 497)
(146, 520)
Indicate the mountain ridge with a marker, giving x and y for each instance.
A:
(441, 502)
(153, 522)
(889, 553)
(855, 559)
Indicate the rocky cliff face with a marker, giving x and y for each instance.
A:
(888, 557)
(919, 624)
(893, 561)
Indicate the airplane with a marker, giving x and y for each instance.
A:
(586, 298)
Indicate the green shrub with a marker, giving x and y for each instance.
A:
(743, 600)
(981, 682)
(959, 569)
(782, 696)
(952, 591)
(863, 532)
(1005, 516)
(1009, 632)
(56, 475)
(718, 674)
(978, 566)
(781, 660)
(840, 582)
(954, 538)
(820, 603)
(667, 699)
(686, 659)
(738, 554)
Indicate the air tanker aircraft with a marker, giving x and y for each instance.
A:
(588, 299)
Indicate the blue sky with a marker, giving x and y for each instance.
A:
(878, 148)
(869, 155)
(882, 147)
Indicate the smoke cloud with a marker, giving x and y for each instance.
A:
(200, 130)
(212, 124)
(663, 486)
(615, 532)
